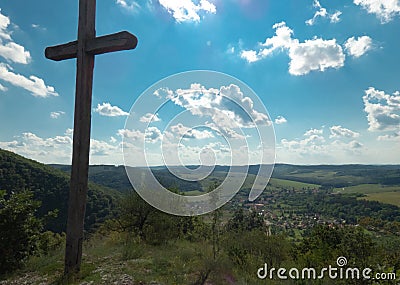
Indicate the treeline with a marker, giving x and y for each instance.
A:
(241, 244)
(51, 187)
(228, 245)
(339, 206)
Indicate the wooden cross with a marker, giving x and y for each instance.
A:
(84, 50)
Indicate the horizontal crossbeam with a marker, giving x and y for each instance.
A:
(99, 45)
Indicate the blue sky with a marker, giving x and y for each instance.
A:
(327, 72)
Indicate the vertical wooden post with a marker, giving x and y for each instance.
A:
(84, 49)
(81, 139)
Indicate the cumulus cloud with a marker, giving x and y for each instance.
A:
(339, 131)
(4, 23)
(3, 88)
(33, 84)
(315, 54)
(58, 148)
(323, 13)
(163, 92)
(128, 5)
(187, 10)
(190, 133)
(357, 47)
(311, 132)
(105, 109)
(102, 148)
(383, 110)
(10, 50)
(281, 40)
(280, 120)
(227, 106)
(385, 10)
(317, 148)
(53, 149)
(390, 137)
(15, 53)
(56, 115)
(250, 56)
(149, 117)
(150, 135)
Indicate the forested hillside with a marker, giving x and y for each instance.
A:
(50, 186)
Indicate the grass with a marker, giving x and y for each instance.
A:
(374, 192)
(117, 258)
(283, 183)
(385, 197)
(368, 189)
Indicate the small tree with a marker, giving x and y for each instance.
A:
(19, 229)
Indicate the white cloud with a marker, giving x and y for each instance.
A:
(38, 27)
(69, 132)
(186, 10)
(56, 115)
(14, 52)
(383, 110)
(339, 131)
(4, 23)
(153, 134)
(317, 148)
(101, 148)
(281, 40)
(3, 88)
(323, 13)
(128, 5)
(10, 50)
(58, 149)
(47, 150)
(355, 144)
(390, 137)
(226, 106)
(250, 56)
(315, 54)
(385, 10)
(34, 84)
(335, 17)
(182, 131)
(280, 120)
(105, 109)
(150, 135)
(163, 92)
(150, 118)
(357, 47)
(311, 132)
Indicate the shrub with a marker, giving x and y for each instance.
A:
(19, 229)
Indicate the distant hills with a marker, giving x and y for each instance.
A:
(331, 176)
(51, 187)
(50, 183)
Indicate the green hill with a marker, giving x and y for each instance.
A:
(51, 187)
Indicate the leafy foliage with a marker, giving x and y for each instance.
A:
(140, 219)
(19, 229)
(51, 187)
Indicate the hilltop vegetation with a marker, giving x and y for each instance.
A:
(302, 219)
(51, 186)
